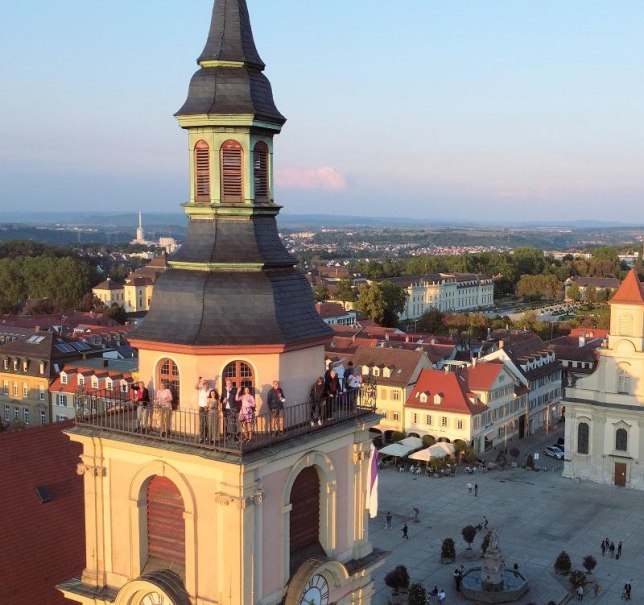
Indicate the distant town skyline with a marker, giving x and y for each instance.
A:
(473, 110)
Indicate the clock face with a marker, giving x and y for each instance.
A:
(155, 598)
(316, 591)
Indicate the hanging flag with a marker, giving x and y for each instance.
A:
(373, 482)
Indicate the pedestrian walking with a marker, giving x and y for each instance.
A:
(476, 489)
(611, 548)
(603, 547)
(404, 532)
(485, 522)
(596, 587)
(580, 593)
(469, 487)
(619, 549)
(388, 524)
(441, 596)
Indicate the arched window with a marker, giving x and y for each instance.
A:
(305, 518)
(166, 525)
(260, 174)
(202, 172)
(240, 373)
(621, 440)
(583, 433)
(623, 380)
(169, 372)
(231, 172)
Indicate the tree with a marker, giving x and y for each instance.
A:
(321, 293)
(573, 292)
(398, 578)
(589, 563)
(591, 293)
(117, 313)
(344, 291)
(577, 578)
(469, 533)
(417, 594)
(563, 564)
(431, 321)
(448, 551)
(382, 302)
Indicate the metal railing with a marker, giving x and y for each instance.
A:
(220, 430)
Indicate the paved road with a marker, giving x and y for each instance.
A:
(537, 514)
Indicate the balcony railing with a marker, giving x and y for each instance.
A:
(220, 430)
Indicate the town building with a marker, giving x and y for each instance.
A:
(480, 405)
(136, 293)
(607, 285)
(28, 367)
(334, 314)
(604, 410)
(445, 292)
(528, 357)
(207, 508)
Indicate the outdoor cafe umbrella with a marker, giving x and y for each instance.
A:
(438, 450)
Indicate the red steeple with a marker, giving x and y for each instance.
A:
(631, 292)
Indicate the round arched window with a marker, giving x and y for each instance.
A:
(168, 371)
(240, 373)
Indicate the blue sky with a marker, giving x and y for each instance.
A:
(479, 109)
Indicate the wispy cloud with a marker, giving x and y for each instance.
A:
(324, 178)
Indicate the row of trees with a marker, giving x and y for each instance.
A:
(64, 282)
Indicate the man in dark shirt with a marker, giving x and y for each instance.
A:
(275, 402)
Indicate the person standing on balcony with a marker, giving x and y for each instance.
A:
(247, 412)
(164, 400)
(276, 402)
(331, 393)
(142, 405)
(203, 390)
(316, 397)
(229, 408)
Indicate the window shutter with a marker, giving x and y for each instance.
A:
(202, 172)
(166, 530)
(231, 172)
(261, 173)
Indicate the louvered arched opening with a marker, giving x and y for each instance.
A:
(305, 518)
(202, 172)
(231, 172)
(260, 174)
(166, 526)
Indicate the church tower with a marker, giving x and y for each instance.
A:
(190, 499)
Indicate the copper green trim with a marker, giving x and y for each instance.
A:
(191, 266)
(201, 210)
(217, 63)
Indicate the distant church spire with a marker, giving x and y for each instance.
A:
(139, 229)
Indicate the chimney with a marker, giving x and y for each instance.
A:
(106, 363)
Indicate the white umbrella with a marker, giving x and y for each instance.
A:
(394, 449)
(442, 449)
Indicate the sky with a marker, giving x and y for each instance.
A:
(484, 110)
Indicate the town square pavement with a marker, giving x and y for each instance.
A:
(537, 515)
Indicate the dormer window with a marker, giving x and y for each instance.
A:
(5, 363)
(108, 383)
(260, 172)
(386, 372)
(365, 370)
(438, 398)
(94, 382)
(15, 364)
(42, 367)
(202, 172)
(423, 397)
(63, 378)
(25, 365)
(231, 172)
(81, 380)
(376, 372)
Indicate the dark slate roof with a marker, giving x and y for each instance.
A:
(231, 37)
(42, 544)
(245, 240)
(401, 363)
(209, 308)
(231, 90)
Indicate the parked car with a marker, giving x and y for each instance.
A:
(553, 451)
(559, 446)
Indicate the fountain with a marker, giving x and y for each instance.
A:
(492, 583)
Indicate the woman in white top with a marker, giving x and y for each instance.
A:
(164, 400)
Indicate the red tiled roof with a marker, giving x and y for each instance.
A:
(330, 309)
(482, 376)
(630, 292)
(42, 544)
(451, 385)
